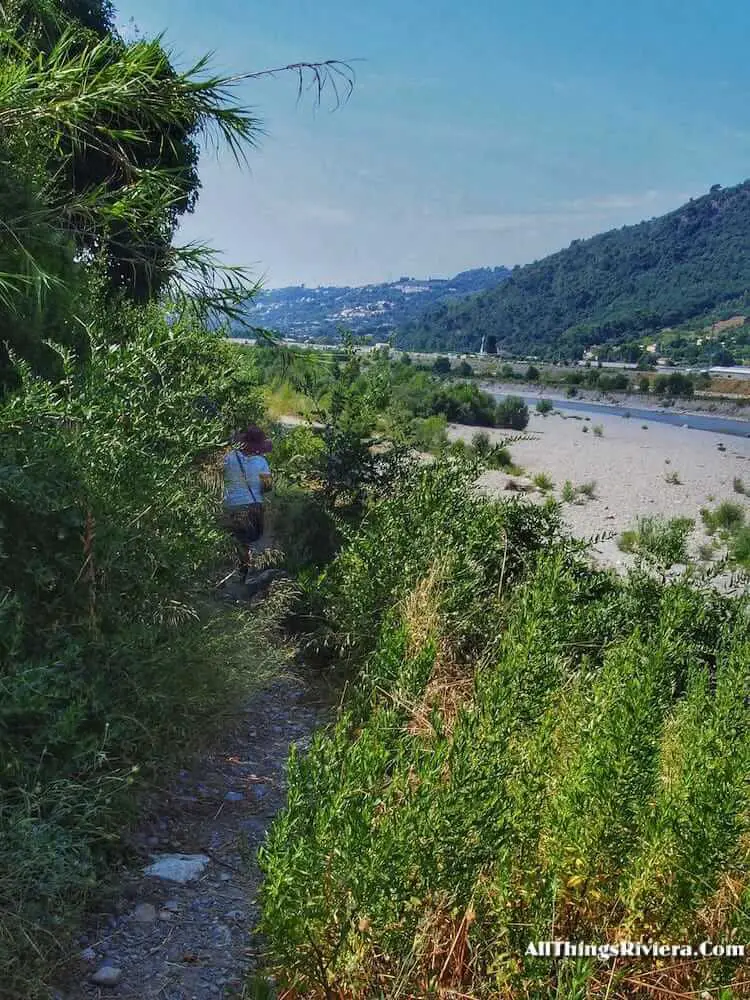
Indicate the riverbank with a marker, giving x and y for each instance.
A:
(698, 405)
(638, 468)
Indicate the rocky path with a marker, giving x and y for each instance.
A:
(183, 924)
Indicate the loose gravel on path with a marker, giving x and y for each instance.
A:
(197, 940)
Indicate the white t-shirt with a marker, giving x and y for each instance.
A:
(241, 475)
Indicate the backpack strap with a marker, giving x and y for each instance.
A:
(242, 470)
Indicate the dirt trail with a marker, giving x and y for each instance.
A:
(171, 941)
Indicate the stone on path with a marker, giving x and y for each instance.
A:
(178, 867)
(234, 797)
(108, 975)
(145, 913)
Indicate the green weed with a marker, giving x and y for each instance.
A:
(664, 542)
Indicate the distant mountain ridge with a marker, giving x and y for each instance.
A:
(619, 286)
(375, 310)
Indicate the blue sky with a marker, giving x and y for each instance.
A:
(479, 133)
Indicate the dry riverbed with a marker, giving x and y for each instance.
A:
(639, 468)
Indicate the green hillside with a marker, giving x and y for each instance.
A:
(611, 288)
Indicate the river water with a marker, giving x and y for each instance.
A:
(696, 421)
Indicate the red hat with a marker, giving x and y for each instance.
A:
(254, 441)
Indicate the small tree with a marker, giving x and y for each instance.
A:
(441, 365)
(512, 412)
(532, 374)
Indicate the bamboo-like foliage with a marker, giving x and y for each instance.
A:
(100, 95)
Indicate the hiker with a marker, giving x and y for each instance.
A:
(247, 478)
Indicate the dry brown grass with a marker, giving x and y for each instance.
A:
(726, 324)
(451, 683)
(727, 387)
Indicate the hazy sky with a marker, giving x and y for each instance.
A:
(479, 133)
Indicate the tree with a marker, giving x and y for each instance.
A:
(512, 412)
(66, 106)
(136, 258)
(532, 374)
(441, 365)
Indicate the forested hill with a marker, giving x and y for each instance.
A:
(610, 288)
(376, 310)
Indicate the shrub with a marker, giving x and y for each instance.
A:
(598, 430)
(464, 403)
(465, 370)
(433, 512)
(587, 490)
(612, 383)
(663, 542)
(674, 384)
(498, 457)
(544, 406)
(512, 412)
(673, 479)
(441, 365)
(303, 528)
(543, 482)
(585, 753)
(568, 493)
(480, 442)
(727, 517)
(739, 486)
(740, 547)
(429, 433)
(111, 658)
(532, 374)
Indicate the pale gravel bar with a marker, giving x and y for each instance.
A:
(629, 465)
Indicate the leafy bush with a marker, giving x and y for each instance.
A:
(109, 656)
(612, 383)
(480, 442)
(303, 528)
(433, 513)
(498, 457)
(512, 412)
(429, 433)
(463, 403)
(544, 406)
(663, 542)
(543, 482)
(674, 384)
(441, 365)
(555, 742)
(740, 547)
(727, 517)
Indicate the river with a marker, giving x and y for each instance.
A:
(696, 421)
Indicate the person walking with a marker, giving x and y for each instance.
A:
(247, 479)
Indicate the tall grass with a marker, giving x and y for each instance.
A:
(533, 750)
